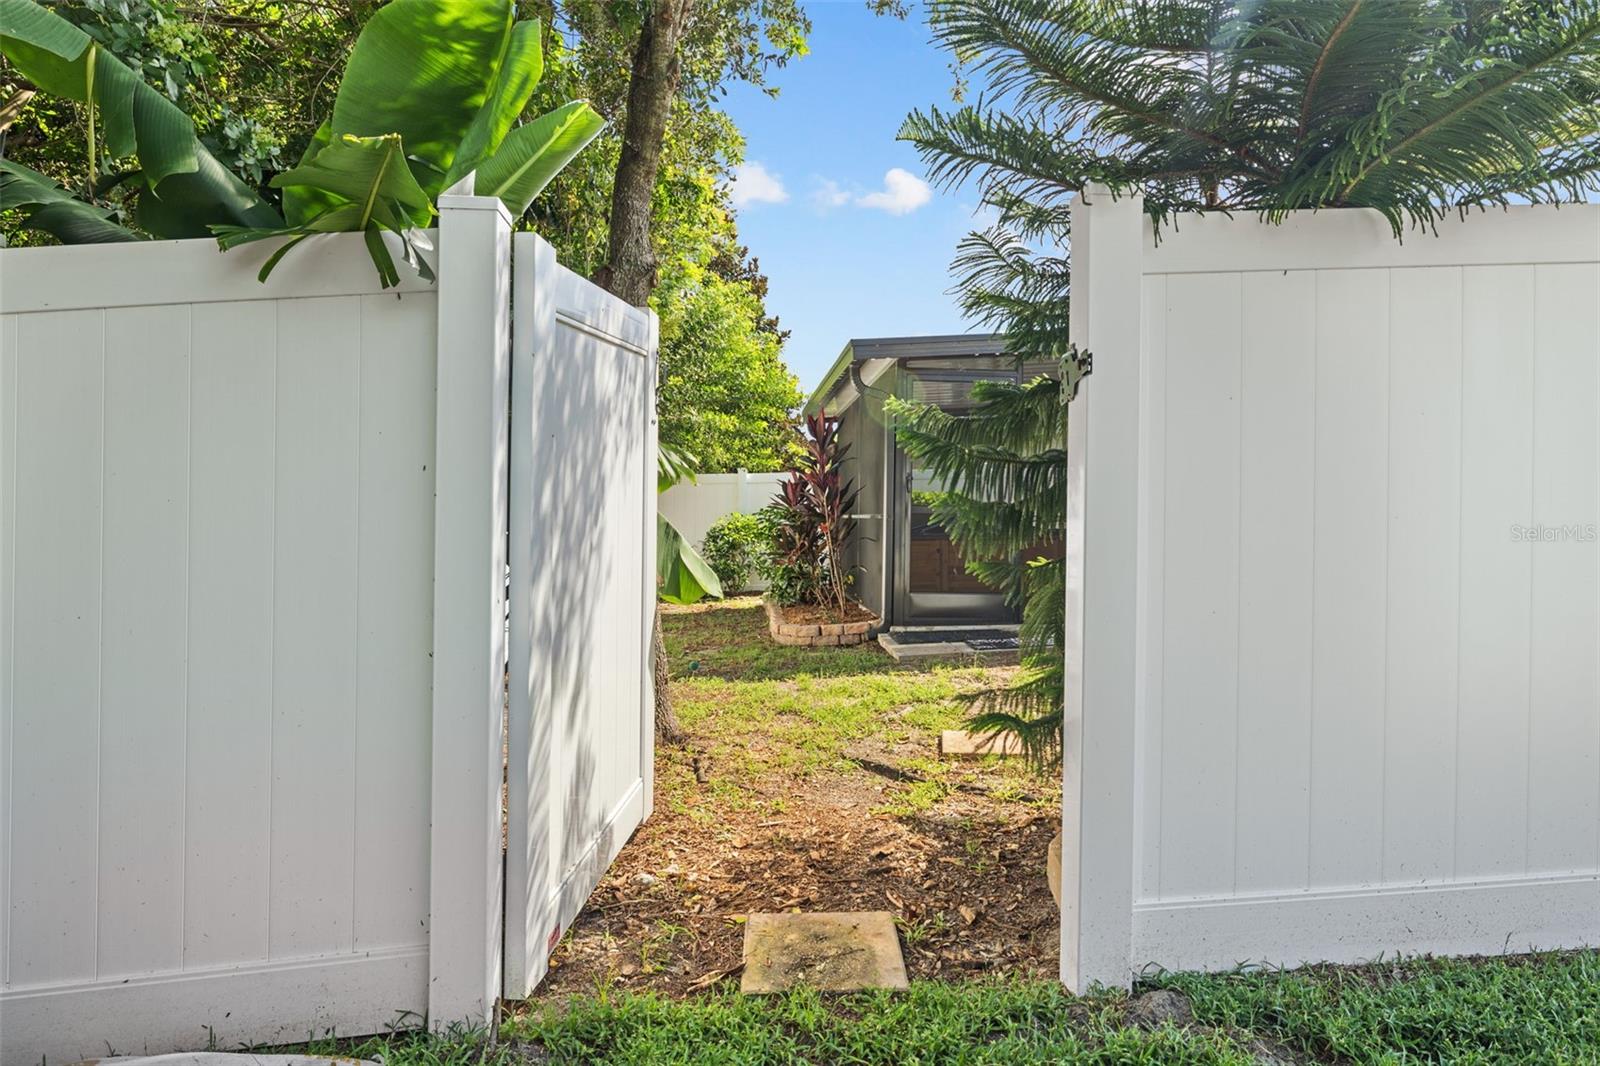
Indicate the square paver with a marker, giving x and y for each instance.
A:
(831, 952)
(961, 742)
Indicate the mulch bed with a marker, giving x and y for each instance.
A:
(806, 614)
(966, 880)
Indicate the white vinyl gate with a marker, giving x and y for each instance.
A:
(253, 633)
(583, 516)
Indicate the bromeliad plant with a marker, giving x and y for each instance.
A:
(815, 524)
(431, 95)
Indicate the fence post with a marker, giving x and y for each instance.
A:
(1099, 752)
(469, 652)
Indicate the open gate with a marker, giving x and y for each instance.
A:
(582, 559)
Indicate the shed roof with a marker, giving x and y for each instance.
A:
(865, 350)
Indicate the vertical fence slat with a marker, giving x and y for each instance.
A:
(530, 794)
(1275, 526)
(647, 676)
(144, 637)
(1424, 575)
(1496, 570)
(1149, 693)
(1350, 542)
(8, 588)
(1565, 668)
(231, 531)
(54, 800)
(314, 621)
(395, 638)
(1201, 619)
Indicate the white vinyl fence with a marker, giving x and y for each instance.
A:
(1333, 596)
(252, 632)
(693, 507)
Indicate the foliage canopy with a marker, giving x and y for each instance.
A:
(1413, 108)
(430, 94)
(1410, 107)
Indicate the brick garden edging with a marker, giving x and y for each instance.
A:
(816, 635)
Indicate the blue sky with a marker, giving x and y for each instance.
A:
(851, 251)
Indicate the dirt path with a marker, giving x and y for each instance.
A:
(811, 783)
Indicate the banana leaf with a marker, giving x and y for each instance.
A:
(531, 155)
(49, 207)
(423, 69)
(188, 205)
(61, 59)
(672, 466)
(372, 190)
(370, 172)
(682, 574)
(518, 74)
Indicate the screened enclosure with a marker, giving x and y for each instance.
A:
(907, 569)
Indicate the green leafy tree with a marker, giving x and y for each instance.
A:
(672, 144)
(724, 389)
(1414, 108)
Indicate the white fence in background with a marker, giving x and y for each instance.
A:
(694, 506)
(252, 633)
(1333, 596)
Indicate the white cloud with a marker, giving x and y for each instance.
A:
(902, 193)
(754, 184)
(829, 193)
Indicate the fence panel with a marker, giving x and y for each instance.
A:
(582, 597)
(215, 627)
(1359, 640)
(695, 506)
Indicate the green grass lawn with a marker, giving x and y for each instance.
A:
(760, 709)
(1528, 1010)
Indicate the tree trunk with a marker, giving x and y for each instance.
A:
(667, 727)
(630, 269)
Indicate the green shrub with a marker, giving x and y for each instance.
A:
(786, 585)
(736, 546)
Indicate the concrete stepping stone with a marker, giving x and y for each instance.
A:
(220, 1058)
(961, 742)
(831, 952)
